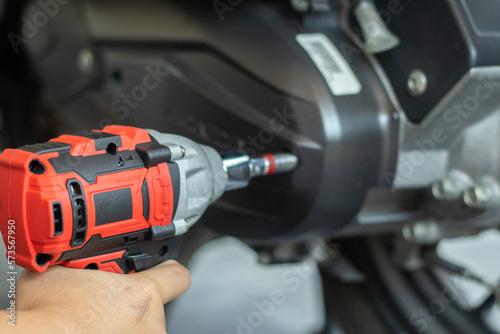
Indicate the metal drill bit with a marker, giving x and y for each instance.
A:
(240, 168)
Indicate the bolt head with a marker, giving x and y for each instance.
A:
(415, 231)
(445, 189)
(417, 83)
(85, 60)
(300, 5)
(477, 197)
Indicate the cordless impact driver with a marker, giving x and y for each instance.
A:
(116, 200)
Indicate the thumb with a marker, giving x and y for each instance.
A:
(170, 279)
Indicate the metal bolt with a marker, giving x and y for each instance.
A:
(445, 189)
(424, 231)
(300, 5)
(417, 83)
(477, 197)
(85, 60)
(408, 233)
(419, 230)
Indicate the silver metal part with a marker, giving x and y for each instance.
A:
(85, 60)
(202, 178)
(181, 226)
(445, 189)
(320, 5)
(477, 197)
(452, 186)
(300, 5)
(460, 136)
(378, 38)
(483, 195)
(285, 162)
(417, 83)
(462, 132)
(237, 170)
(259, 167)
(421, 232)
(240, 169)
(177, 151)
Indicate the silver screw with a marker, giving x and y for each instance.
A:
(477, 197)
(85, 60)
(300, 5)
(444, 189)
(414, 231)
(420, 231)
(417, 83)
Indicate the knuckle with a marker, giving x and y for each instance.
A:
(183, 275)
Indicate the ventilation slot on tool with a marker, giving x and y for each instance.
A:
(58, 219)
(79, 238)
(79, 207)
(81, 222)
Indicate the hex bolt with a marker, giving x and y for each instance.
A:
(419, 230)
(85, 60)
(417, 83)
(424, 231)
(300, 5)
(477, 197)
(452, 186)
(445, 189)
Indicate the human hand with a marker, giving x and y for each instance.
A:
(75, 301)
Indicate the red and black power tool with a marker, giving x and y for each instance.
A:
(116, 200)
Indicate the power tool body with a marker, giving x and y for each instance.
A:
(116, 200)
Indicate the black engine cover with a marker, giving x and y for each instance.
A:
(243, 83)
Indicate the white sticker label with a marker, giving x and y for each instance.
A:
(337, 73)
